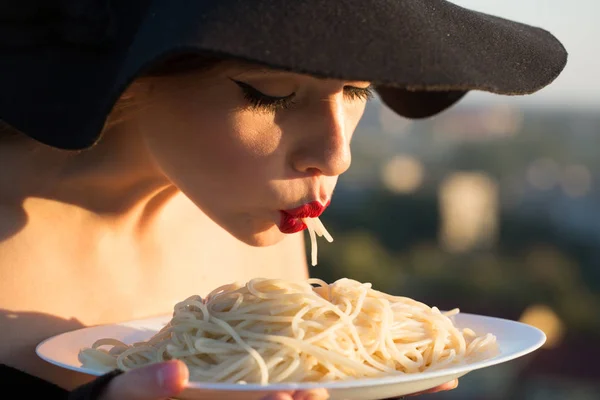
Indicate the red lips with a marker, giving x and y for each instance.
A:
(291, 220)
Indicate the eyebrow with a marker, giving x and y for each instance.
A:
(258, 70)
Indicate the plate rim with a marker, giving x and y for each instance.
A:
(458, 370)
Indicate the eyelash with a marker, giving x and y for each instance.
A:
(261, 101)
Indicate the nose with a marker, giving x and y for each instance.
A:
(324, 141)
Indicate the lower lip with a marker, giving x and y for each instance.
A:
(290, 224)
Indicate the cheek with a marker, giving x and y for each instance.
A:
(354, 113)
(215, 148)
(256, 136)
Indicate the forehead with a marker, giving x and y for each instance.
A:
(261, 71)
(215, 71)
(258, 70)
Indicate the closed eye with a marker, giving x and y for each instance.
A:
(261, 101)
(357, 93)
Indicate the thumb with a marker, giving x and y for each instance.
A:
(153, 382)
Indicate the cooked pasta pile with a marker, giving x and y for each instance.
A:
(275, 331)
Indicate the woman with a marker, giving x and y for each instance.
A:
(149, 148)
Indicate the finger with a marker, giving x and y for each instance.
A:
(154, 382)
(442, 388)
(446, 386)
(279, 396)
(313, 394)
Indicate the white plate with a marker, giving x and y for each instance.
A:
(515, 340)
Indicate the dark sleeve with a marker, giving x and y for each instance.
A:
(30, 387)
(92, 390)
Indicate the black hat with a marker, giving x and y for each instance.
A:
(64, 63)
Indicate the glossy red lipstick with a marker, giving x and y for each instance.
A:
(291, 220)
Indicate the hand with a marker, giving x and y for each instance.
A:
(442, 388)
(167, 379)
(321, 394)
(154, 382)
(164, 380)
(317, 394)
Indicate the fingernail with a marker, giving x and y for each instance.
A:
(172, 376)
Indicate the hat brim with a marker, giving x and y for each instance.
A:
(422, 56)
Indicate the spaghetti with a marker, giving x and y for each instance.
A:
(315, 228)
(275, 331)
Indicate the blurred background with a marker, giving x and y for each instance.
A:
(492, 207)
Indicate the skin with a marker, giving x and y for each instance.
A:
(192, 177)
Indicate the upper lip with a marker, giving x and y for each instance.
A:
(308, 210)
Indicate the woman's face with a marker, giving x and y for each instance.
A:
(244, 142)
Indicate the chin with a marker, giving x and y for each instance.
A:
(269, 237)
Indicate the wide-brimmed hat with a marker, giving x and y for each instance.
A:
(64, 63)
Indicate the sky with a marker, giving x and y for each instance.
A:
(575, 23)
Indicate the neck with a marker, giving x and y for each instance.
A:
(114, 178)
